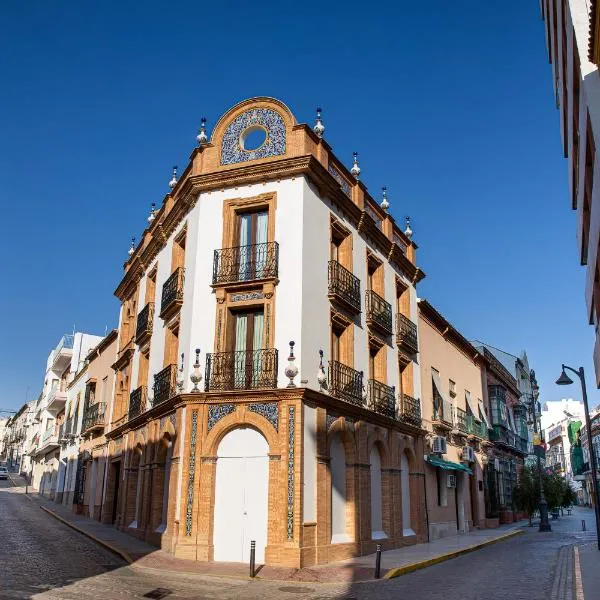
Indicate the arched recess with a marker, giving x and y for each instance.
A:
(339, 491)
(134, 495)
(377, 529)
(407, 529)
(241, 496)
(161, 491)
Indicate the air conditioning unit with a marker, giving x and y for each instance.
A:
(468, 454)
(451, 481)
(438, 445)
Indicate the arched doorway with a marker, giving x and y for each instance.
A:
(241, 496)
(405, 490)
(339, 532)
(377, 532)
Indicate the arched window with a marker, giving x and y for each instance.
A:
(376, 494)
(165, 452)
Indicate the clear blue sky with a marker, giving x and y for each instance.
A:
(449, 105)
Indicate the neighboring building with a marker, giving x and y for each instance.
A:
(451, 386)
(15, 436)
(49, 412)
(3, 436)
(573, 41)
(507, 416)
(92, 460)
(582, 465)
(256, 245)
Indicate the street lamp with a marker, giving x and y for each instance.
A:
(544, 522)
(564, 379)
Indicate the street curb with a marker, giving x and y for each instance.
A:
(124, 555)
(398, 571)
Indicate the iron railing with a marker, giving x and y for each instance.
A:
(410, 410)
(344, 285)
(165, 384)
(442, 410)
(379, 311)
(462, 420)
(94, 415)
(137, 401)
(246, 263)
(382, 399)
(406, 333)
(172, 290)
(145, 321)
(345, 383)
(480, 430)
(241, 370)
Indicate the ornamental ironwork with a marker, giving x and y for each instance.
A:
(94, 416)
(382, 399)
(406, 333)
(246, 263)
(410, 410)
(241, 370)
(216, 412)
(345, 383)
(172, 290)
(290, 507)
(137, 401)
(379, 312)
(165, 384)
(344, 285)
(269, 410)
(192, 471)
(145, 321)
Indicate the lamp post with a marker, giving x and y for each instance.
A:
(544, 522)
(564, 379)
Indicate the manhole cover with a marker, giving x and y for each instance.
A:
(295, 589)
(158, 593)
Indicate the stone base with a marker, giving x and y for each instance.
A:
(492, 523)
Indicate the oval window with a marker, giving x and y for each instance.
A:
(253, 138)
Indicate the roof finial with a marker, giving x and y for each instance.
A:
(152, 214)
(384, 201)
(355, 170)
(202, 138)
(319, 128)
(132, 247)
(408, 231)
(173, 181)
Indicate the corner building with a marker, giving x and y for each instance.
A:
(315, 459)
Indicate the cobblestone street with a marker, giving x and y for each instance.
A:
(43, 558)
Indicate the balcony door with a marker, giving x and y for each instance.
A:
(248, 343)
(252, 240)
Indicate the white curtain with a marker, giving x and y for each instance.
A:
(261, 256)
(245, 237)
(239, 364)
(257, 344)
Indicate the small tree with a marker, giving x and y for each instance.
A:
(569, 496)
(527, 492)
(554, 489)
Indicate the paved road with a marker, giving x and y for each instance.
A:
(42, 558)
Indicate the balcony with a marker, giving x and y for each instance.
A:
(93, 419)
(65, 432)
(165, 385)
(345, 383)
(480, 430)
(463, 423)
(241, 370)
(172, 294)
(382, 399)
(246, 263)
(57, 399)
(137, 402)
(344, 287)
(410, 411)
(145, 321)
(406, 334)
(379, 312)
(49, 440)
(61, 356)
(442, 413)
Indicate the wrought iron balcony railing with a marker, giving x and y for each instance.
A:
(172, 292)
(345, 383)
(344, 286)
(94, 416)
(246, 263)
(406, 333)
(145, 321)
(443, 412)
(410, 410)
(165, 384)
(382, 399)
(462, 420)
(379, 312)
(137, 401)
(241, 370)
(480, 430)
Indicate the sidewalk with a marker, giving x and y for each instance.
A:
(393, 563)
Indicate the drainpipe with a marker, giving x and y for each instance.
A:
(426, 507)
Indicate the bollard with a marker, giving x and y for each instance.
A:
(582, 524)
(378, 562)
(26, 489)
(252, 557)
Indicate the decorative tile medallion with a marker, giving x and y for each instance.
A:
(290, 511)
(264, 118)
(338, 177)
(190, 493)
(248, 296)
(217, 411)
(269, 410)
(173, 419)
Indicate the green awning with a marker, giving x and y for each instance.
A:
(436, 461)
